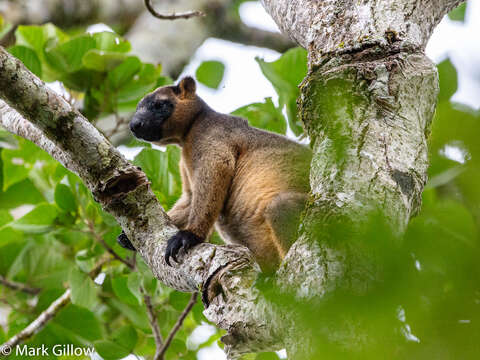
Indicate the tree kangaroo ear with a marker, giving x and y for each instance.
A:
(187, 88)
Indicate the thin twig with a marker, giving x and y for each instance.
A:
(99, 239)
(152, 317)
(18, 286)
(173, 16)
(119, 121)
(176, 327)
(39, 323)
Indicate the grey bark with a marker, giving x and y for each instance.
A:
(378, 95)
(367, 104)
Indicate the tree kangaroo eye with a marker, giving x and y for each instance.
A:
(162, 105)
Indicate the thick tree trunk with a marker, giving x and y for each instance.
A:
(369, 86)
(367, 104)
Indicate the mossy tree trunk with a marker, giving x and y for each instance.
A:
(366, 103)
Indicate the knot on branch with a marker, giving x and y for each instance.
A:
(122, 182)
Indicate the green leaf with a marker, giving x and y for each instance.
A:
(17, 163)
(285, 74)
(21, 193)
(144, 82)
(458, 14)
(43, 267)
(109, 41)
(11, 245)
(267, 356)
(7, 140)
(136, 314)
(100, 60)
(126, 337)
(31, 36)
(121, 289)
(28, 57)
(39, 220)
(65, 198)
(83, 289)
(5, 217)
(133, 283)
(83, 79)
(210, 73)
(78, 321)
(263, 115)
(110, 350)
(15, 169)
(36, 37)
(178, 300)
(157, 164)
(448, 80)
(124, 72)
(67, 57)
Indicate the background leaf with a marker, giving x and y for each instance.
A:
(210, 73)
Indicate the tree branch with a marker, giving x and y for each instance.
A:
(182, 15)
(177, 326)
(100, 240)
(18, 286)
(224, 24)
(363, 25)
(39, 323)
(48, 314)
(124, 191)
(152, 318)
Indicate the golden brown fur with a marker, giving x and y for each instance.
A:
(251, 184)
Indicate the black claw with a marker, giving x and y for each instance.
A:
(183, 239)
(124, 242)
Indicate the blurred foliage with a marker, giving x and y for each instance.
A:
(458, 14)
(286, 74)
(5, 27)
(96, 69)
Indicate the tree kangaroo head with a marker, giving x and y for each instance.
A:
(165, 115)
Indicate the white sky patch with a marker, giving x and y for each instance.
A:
(454, 153)
(18, 212)
(406, 330)
(243, 82)
(211, 353)
(459, 41)
(201, 334)
(418, 266)
(100, 279)
(253, 14)
(100, 27)
(58, 87)
(282, 354)
(129, 152)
